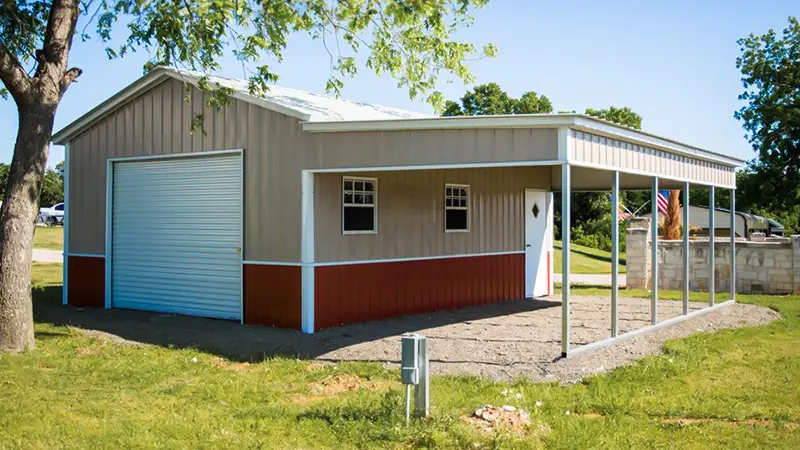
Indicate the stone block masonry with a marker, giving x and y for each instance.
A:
(770, 267)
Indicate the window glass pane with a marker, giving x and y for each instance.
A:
(359, 199)
(463, 192)
(368, 186)
(59, 207)
(449, 191)
(368, 199)
(456, 219)
(448, 202)
(359, 185)
(348, 185)
(359, 219)
(348, 197)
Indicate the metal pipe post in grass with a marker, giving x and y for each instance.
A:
(711, 256)
(566, 194)
(654, 255)
(414, 370)
(733, 244)
(686, 249)
(614, 253)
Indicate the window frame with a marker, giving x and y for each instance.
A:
(468, 208)
(374, 181)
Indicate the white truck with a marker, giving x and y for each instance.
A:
(53, 215)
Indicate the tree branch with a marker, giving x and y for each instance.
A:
(13, 75)
(53, 56)
(69, 77)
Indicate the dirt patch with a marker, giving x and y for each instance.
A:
(87, 351)
(339, 384)
(227, 365)
(508, 419)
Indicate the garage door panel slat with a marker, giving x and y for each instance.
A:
(176, 235)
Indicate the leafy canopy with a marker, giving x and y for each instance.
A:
(623, 116)
(770, 66)
(411, 40)
(489, 99)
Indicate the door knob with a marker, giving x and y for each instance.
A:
(527, 245)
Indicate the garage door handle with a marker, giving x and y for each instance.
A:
(528, 245)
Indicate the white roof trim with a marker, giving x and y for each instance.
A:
(580, 122)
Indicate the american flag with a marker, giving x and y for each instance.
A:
(623, 213)
(662, 202)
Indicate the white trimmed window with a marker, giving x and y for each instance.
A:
(456, 208)
(359, 205)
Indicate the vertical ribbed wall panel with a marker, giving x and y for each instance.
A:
(361, 292)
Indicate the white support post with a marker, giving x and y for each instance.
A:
(614, 253)
(733, 244)
(654, 253)
(566, 194)
(307, 252)
(686, 249)
(711, 256)
(65, 254)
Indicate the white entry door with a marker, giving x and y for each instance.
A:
(538, 243)
(177, 235)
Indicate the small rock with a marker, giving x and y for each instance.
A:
(489, 417)
(519, 395)
(478, 412)
(509, 408)
(538, 403)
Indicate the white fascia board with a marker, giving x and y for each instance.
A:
(575, 121)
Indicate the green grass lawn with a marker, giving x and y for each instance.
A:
(732, 389)
(51, 238)
(586, 260)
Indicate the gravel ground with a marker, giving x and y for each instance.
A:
(501, 341)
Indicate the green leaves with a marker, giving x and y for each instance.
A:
(490, 99)
(623, 116)
(770, 66)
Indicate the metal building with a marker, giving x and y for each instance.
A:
(303, 211)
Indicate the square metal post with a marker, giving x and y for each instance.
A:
(566, 194)
(711, 256)
(422, 390)
(654, 254)
(614, 253)
(733, 244)
(686, 208)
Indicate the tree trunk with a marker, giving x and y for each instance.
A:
(17, 222)
(672, 220)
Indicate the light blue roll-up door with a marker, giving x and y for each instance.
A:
(177, 235)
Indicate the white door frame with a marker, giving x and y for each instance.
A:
(109, 229)
(547, 244)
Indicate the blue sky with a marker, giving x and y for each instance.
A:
(673, 62)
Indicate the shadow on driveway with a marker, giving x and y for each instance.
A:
(251, 343)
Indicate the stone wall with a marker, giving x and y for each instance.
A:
(761, 267)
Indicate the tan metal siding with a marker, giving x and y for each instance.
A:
(422, 147)
(159, 122)
(411, 213)
(598, 150)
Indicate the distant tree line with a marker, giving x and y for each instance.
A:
(52, 185)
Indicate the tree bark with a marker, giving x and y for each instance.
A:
(37, 99)
(17, 221)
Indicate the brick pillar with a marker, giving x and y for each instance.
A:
(796, 264)
(637, 247)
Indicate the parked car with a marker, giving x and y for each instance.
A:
(53, 215)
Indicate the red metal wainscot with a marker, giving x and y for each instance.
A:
(353, 293)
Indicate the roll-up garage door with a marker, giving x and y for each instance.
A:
(177, 235)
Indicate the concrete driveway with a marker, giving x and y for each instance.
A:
(591, 279)
(47, 256)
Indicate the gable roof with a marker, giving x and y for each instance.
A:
(306, 106)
